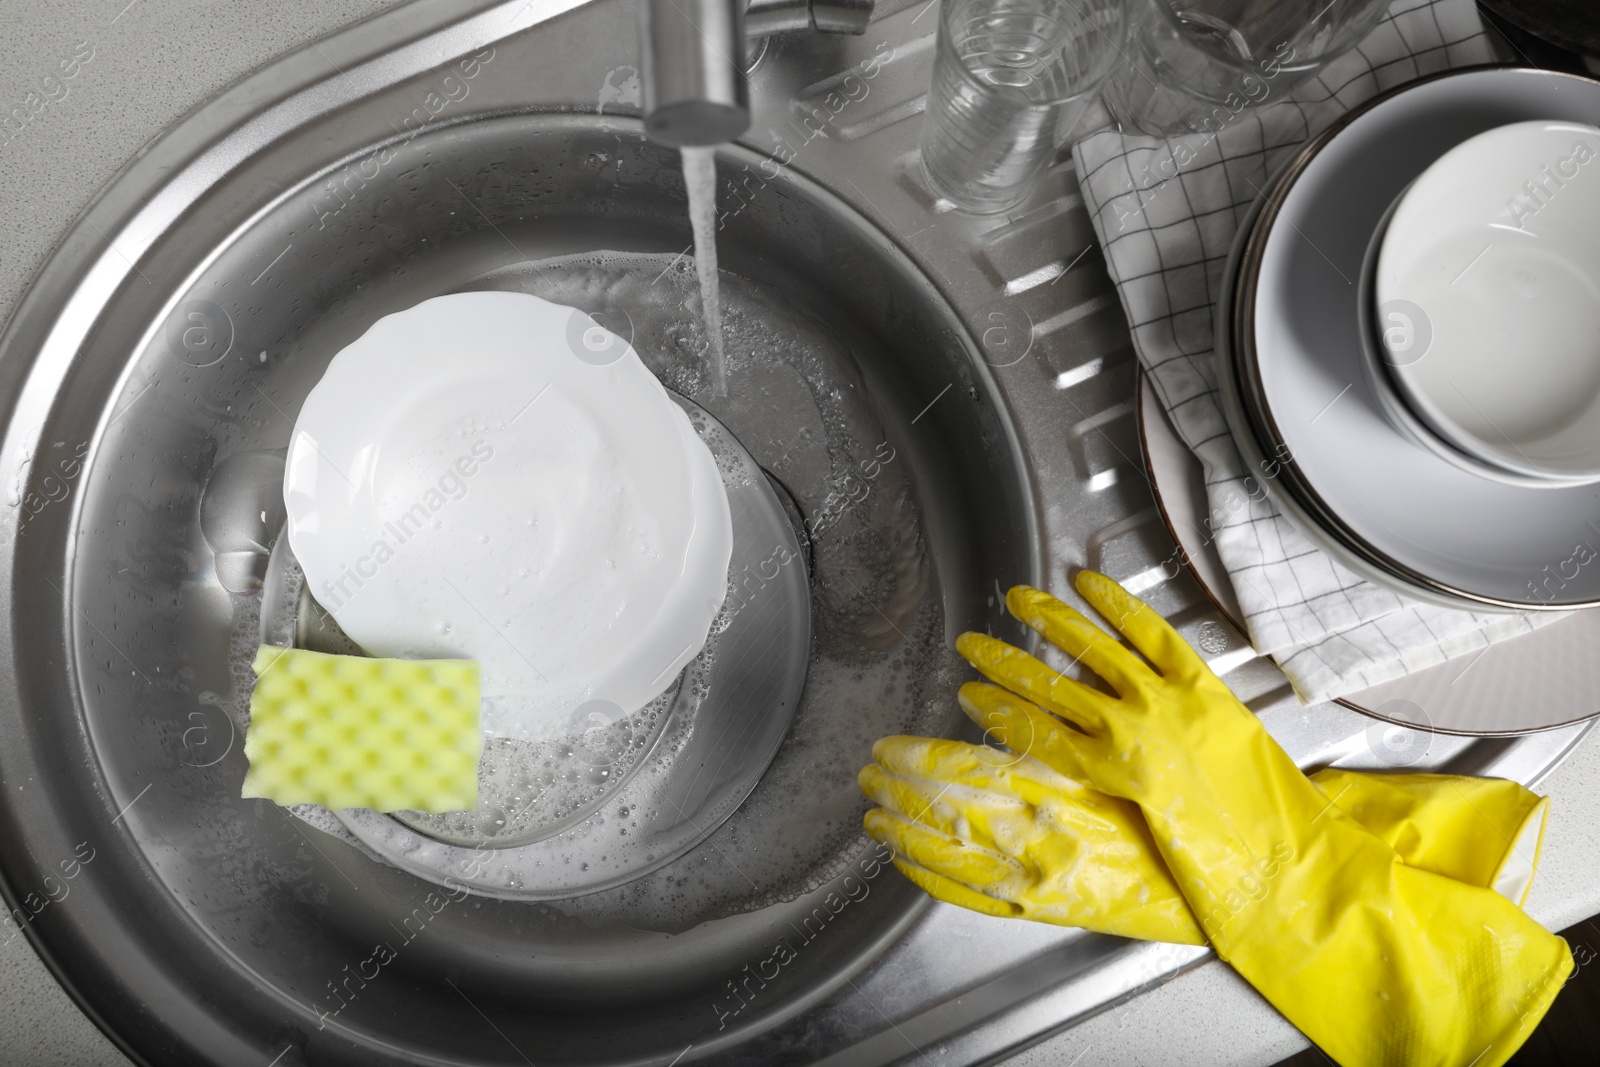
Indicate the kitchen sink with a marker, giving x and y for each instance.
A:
(982, 366)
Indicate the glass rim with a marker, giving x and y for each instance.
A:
(943, 41)
(1170, 17)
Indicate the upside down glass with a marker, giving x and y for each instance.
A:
(1010, 78)
(1196, 65)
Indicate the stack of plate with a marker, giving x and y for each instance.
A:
(1312, 396)
(1388, 495)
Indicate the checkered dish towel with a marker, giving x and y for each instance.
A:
(1331, 632)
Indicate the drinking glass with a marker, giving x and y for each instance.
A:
(1010, 79)
(1196, 65)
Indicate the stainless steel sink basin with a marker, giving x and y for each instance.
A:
(438, 147)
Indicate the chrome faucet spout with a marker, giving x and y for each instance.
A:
(693, 71)
(693, 65)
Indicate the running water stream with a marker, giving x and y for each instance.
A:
(700, 178)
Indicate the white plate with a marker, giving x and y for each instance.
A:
(1545, 679)
(1423, 521)
(491, 476)
(1489, 281)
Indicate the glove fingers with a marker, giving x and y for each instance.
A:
(943, 854)
(937, 758)
(1141, 624)
(997, 800)
(1029, 678)
(966, 772)
(918, 800)
(1067, 629)
(939, 887)
(1005, 815)
(1023, 728)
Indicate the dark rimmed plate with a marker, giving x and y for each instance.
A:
(1539, 681)
(1292, 383)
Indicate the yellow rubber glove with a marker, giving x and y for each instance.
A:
(1375, 961)
(1007, 835)
(1482, 831)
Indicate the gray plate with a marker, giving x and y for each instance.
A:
(1538, 681)
(1388, 508)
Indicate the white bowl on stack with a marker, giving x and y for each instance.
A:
(1483, 284)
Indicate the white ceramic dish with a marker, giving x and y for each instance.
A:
(472, 477)
(1487, 295)
(1352, 481)
(1397, 340)
(1545, 679)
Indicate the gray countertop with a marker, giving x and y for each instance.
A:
(138, 66)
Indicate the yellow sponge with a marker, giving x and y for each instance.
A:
(350, 732)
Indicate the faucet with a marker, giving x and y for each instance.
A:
(693, 66)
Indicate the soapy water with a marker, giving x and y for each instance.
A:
(700, 181)
(529, 790)
(879, 661)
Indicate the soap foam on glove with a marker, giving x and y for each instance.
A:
(1359, 906)
(1009, 835)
